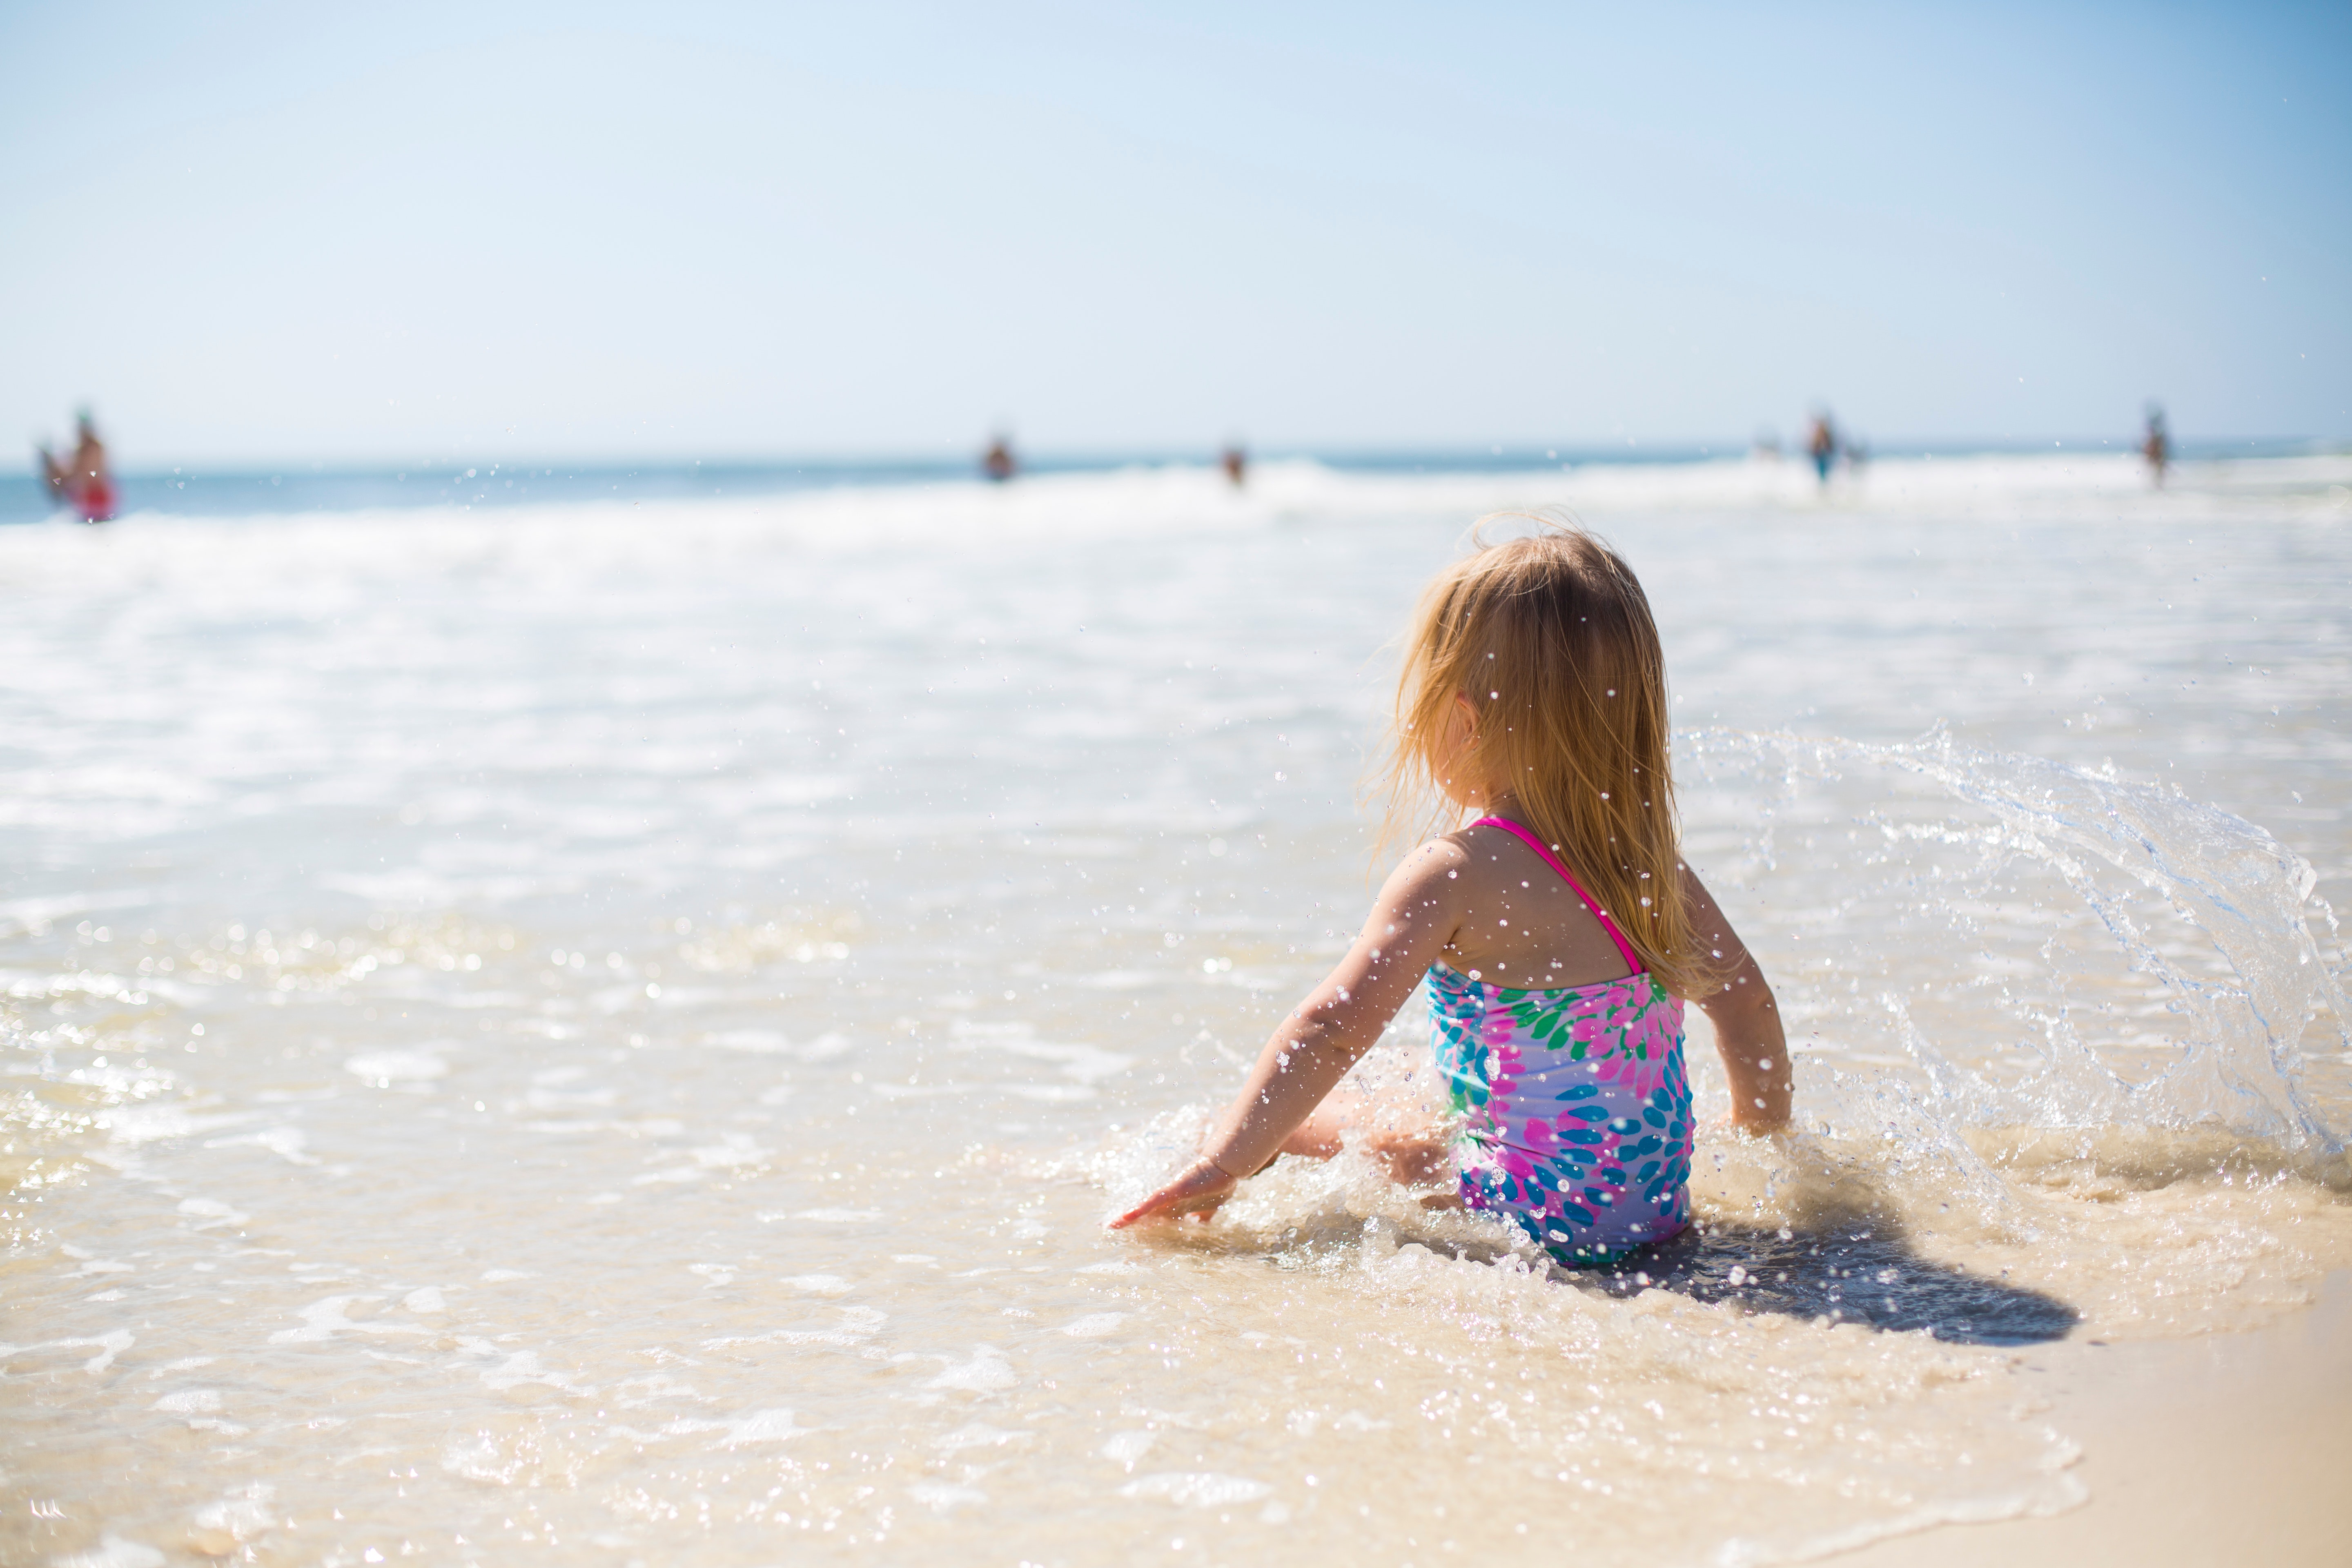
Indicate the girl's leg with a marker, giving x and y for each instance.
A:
(1417, 1158)
(1397, 1132)
(1318, 1137)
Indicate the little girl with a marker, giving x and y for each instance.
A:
(1558, 933)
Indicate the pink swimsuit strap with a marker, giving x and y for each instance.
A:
(1632, 960)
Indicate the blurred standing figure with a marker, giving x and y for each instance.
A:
(997, 462)
(2157, 447)
(1236, 463)
(82, 481)
(1822, 444)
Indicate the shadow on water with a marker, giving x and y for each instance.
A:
(1859, 1270)
(1852, 1268)
(1846, 1264)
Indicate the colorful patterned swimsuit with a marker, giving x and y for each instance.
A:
(1576, 1112)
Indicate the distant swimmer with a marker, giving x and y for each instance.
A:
(2157, 447)
(82, 481)
(997, 462)
(1236, 463)
(1822, 444)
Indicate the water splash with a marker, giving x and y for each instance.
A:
(2015, 922)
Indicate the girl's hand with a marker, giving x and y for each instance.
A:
(1199, 1190)
(1328, 1033)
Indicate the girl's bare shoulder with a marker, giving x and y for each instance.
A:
(1432, 868)
(1479, 854)
(1424, 893)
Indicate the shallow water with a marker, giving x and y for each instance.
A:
(604, 1033)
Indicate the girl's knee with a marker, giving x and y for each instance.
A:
(1413, 1160)
(1316, 1138)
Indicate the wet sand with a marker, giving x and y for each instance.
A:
(2229, 1448)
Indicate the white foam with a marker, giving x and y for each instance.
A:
(289, 1143)
(218, 1529)
(108, 1346)
(575, 542)
(762, 1427)
(979, 1434)
(1128, 1447)
(323, 1319)
(1197, 1489)
(384, 1068)
(987, 1372)
(190, 1401)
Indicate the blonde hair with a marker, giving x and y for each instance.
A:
(1549, 637)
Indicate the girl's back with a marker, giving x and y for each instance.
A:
(1563, 1060)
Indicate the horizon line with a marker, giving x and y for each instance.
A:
(1461, 455)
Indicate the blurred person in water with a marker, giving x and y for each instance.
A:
(2157, 447)
(997, 462)
(82, 481)
(1822, 444)
(1560, 932)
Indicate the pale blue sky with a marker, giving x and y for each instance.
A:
(287, 232)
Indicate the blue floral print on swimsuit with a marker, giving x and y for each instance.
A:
(1575, 1110)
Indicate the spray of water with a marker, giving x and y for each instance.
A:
(2051, 948)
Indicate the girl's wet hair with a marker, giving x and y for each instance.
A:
(1549, 637)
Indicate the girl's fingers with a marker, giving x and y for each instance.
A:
(1158, 1203)
(1204, 1188)
(1140, 1211)
(1167, 1202)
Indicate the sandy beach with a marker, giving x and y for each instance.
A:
(2231, 1448)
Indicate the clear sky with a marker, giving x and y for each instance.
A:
(277, 232)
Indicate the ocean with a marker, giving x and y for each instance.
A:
(600, 1025)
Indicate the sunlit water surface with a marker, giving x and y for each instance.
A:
(583, 1035)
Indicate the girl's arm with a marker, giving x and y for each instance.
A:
(1326, 1034)
(1747, 1021)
